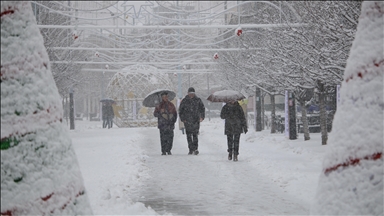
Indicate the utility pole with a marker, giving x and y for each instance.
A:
(209, 107)
(71, 110)
(225, 14)
(179, 78)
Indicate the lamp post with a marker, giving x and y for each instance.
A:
(209, 104)
(103, 82)
(71, 110)
(102, 90)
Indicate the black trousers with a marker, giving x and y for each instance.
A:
(193, 141)
(233, 141)
(107, 121)
(166, 139)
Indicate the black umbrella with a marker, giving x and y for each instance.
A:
(154, 97)
(225, 96)
(105, 100)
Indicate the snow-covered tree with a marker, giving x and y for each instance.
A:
(39, 170)
(297, 59)
(258, 64)
(327, 46)
(317, 51)
(66, 75)
(352, 179)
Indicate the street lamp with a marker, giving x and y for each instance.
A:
(103, 82)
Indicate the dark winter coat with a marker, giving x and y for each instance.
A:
(190, 112)
(235, 122)
(104, 111)
(107, 111)
(166, 119)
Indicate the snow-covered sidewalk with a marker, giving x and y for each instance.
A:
(124, 172)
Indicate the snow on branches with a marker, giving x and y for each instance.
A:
(352, 178)
(39, 170)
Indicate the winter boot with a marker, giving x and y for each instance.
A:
(169, 153)
(163, 153)
(235, 156)
(190, 152)
(196, 152)
(230, 154)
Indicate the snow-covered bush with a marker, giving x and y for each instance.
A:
(39, 170)
(352, 178)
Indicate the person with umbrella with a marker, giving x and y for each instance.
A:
(235, 121)
(235, 124)
(166, 117)
(104, 114)
(192, 112)
(109, 114)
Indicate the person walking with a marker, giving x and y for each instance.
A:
(192, 112)
(109, 115)
(166, 117)
(104, 112)
(235, 124)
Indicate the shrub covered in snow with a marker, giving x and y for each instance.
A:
(352, 178)
(39, 170)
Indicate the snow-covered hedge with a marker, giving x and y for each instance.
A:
(39, 170)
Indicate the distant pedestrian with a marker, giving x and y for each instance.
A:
(235, 124)
(166, 117)
(104, 114)
(192, 112)
(110, 115)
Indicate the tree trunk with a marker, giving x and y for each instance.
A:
(323, 114)
(273, 114)
(262, 112)
(304, 119)
(258, 109)
(71, 111)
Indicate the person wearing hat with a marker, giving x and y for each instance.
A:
(192, 112)
(166, 117)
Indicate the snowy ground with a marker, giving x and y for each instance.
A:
(124, 172)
